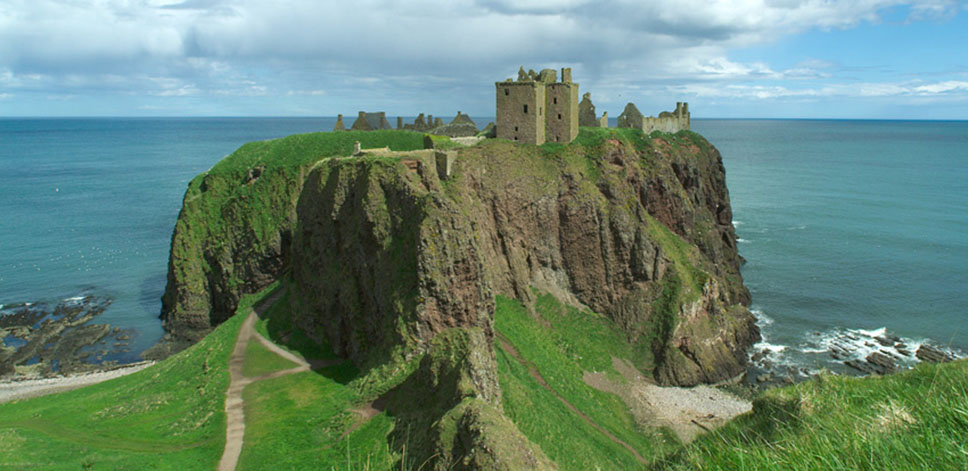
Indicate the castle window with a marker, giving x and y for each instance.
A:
(507, 92)
(515, 129)
(559, 115)
(556, 100)
(525, 109)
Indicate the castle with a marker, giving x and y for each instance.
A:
(538, 108)
(535, 109)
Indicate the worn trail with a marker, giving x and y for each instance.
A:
(234, 405)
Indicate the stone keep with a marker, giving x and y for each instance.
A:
(537, 108)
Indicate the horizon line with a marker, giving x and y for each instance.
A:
(39, 117)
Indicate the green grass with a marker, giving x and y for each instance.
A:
(259, 360)
(912, 420)
(168, 416)
(585, 338)
(276, 325)
(297, 421)
(556, 353)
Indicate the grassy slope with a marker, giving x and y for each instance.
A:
(301, 421)
(172, 412)
(259, 360)
(576, 341)
(912, 420)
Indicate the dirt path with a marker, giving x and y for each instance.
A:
(234, 405)
(507, 347)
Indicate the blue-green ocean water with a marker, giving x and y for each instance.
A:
(845, 224)
(850, 227)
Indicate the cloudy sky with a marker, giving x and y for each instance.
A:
(727, 58)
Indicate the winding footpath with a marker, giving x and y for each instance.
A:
(234, 405)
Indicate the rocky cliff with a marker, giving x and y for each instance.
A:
(390, 261)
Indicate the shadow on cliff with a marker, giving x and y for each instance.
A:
(281, 331)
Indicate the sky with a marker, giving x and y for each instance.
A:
(852, 59)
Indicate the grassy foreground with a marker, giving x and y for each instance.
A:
(171, 413)
(917, 419)
(170, 416)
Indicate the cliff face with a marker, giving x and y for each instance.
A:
(592, 226)
(390, 263)
(383, 261)
(638, 229)
(233, 233)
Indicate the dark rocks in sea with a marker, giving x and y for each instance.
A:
(933, 354)
(44, 340)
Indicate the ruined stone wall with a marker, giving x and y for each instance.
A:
(520, 111)
(561, 122)
(586, 112)
(667, 121)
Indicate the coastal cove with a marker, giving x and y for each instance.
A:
(845, 225)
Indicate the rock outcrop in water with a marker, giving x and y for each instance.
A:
(44, 339)
(388, 262)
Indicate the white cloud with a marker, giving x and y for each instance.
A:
(867, 90)
(385, 49)
(942, 87)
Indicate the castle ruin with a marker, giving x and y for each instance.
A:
(586, 114)
(537, 108)
(534, 109)
(370, 121)
(667, 121)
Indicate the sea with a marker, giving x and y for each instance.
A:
(850, 229)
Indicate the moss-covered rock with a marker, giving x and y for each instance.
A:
(449, 410)
(233, 233)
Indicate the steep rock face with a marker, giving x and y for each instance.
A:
(382, 262)
(232, 237)
(595, 231)
(449, 411)
(233, 233)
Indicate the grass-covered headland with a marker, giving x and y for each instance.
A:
(468, 285)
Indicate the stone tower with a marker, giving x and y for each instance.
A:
(537, 108)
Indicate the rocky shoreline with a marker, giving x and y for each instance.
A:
(24, 388)
(849, 352)
(39, 340)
